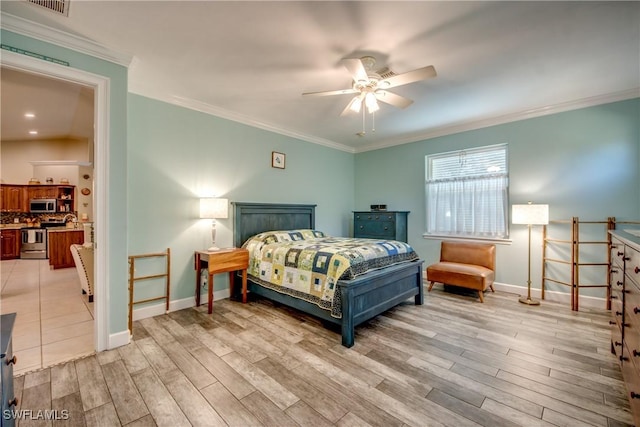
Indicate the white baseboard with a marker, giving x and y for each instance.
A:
(118, 339)
(555, 296)
(123, 338)
(175, 305)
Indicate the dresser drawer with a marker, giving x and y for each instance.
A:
(375, 228)
(617, 278)
(631, 372)
(617, 253)
(632, 264)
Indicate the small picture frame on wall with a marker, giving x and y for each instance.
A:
(277, 160)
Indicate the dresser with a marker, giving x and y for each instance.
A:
(625, 310)
(7, 359)
(390, 225)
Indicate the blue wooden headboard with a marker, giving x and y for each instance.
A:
(253, 218)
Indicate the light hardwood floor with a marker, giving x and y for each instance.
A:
(452, 361)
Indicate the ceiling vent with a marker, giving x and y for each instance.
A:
(58, 6)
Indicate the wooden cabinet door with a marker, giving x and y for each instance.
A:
(12, 198)
(59, 247)
(42, 192)
(10, 244)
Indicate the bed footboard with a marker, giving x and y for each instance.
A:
(365, 297)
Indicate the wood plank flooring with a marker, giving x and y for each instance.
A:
(451, 362)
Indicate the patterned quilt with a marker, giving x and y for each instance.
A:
(307, 264)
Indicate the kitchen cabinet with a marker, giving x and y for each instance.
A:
(380, 225)
(42, 192)
(12, 198)
(60, 242)
(10, 244)
(63, 194)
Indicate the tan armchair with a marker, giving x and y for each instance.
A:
(468, 265)
(83, 258)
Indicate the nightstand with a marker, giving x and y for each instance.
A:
(221, 261)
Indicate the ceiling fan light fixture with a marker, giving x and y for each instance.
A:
(371, 102)
(356, 104)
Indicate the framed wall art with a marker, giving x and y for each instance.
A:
(277, 160)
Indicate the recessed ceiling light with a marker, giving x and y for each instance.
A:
(29, 115)
(33, 132)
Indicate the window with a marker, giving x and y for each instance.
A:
(468, 193)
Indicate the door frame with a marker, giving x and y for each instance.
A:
(100, 86)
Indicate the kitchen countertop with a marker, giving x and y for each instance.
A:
(63, 229)
(12, 226)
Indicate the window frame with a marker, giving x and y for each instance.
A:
(476, 238)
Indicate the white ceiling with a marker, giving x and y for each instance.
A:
(251, 61)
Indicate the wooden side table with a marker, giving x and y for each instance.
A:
(222, 261)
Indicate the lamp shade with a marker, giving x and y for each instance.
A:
(530, 214)
(214, 208)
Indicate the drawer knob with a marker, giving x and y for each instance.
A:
(618, 343)
(611, 322)
(636, 353)
(636, 310)
(620, 253)
(624, 359)
(13, 402)
(618, 313)
(619, 283)
(12, 361)
(361, 227)
(627, 258)
(614, 297)
(614, 271)
(636, 270)
(634, 395)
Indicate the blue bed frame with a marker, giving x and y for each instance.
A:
(363, 298)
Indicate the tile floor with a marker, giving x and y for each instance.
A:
(54, 322)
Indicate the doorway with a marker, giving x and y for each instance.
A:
(99, 85)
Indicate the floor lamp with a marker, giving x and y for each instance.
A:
(214, 208)
(530, 215)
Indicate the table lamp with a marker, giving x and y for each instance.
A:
(530, 215)
(214, 208)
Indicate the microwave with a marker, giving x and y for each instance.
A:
(42, 205)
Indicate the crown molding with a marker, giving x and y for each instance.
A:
(203, 107)
(43, 33)
(506, 118)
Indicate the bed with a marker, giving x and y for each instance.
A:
(361, 298)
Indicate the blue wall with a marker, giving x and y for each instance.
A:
(176, 155)
(583, 163)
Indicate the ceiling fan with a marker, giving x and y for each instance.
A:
(371, 86)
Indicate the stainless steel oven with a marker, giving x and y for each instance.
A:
(33, 243)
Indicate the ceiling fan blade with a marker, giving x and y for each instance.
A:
(356, 68)
(393, 99)
(330, 92)
(408, 77)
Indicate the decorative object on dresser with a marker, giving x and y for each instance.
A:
(625, 310)
(7, 360)
(391, 225)
(467, 265)
(530, 215)
(361, 298)
(214, 208)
